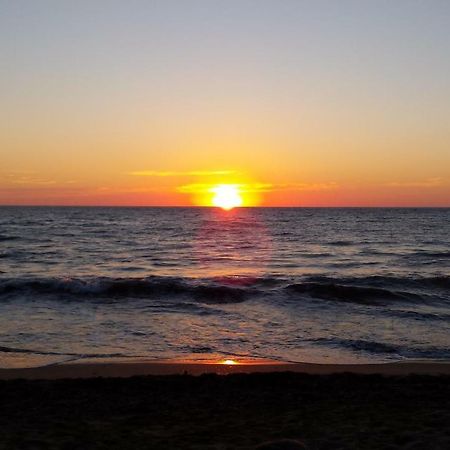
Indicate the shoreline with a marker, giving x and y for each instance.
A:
(126, 369)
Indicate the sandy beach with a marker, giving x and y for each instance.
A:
(184, 405)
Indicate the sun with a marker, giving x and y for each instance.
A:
(226, 196)
(228, 362)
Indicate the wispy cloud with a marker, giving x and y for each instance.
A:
(194, 188)
(129, 190)
(428, 183)
(260, 187)
(191, 173)
(26, 178)
(207, 187)
(305, 186)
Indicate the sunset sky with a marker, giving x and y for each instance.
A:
(298, 103)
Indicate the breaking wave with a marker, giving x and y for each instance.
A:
(375, 291)
(151, 287)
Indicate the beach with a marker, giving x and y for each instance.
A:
(120, 406)
(224, 331)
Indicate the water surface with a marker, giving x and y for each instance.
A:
(296, 284)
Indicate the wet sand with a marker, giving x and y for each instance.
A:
(174, 367)
(324, 407)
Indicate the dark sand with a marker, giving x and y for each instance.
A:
(236, 411)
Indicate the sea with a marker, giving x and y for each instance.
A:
(322, 285)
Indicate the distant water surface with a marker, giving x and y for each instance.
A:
(297, 284)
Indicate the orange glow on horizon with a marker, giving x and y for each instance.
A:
(223, 188)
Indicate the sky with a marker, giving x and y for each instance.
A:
(298, 103)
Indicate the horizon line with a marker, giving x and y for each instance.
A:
(215, 207)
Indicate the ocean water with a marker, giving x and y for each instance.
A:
(325, 285)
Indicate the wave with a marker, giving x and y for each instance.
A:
(341, 243)
(128, 287)
(381, 348)
(375, 290)
(4, 237)
(429, 254)
(351, 294)
(51, 353)
(438, 281)
(420, 316)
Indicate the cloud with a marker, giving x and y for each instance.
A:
(194, 188)
(305, 186)
(129, 190)
(429, 183)
(45, 191)
(192, 173)
(207, 187)
(260, 187)
(22, 180)
(26, 178)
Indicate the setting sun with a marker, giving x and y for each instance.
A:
(226, 196)
(229, 362)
